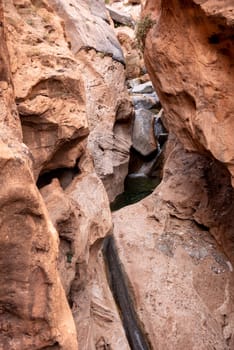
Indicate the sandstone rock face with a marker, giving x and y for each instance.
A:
(81, 225)
(51, 89)
(51, 101)
(189, 55)
(109, 112)
(34, 310)
(109, 109)
(133, 57)
(186, 281)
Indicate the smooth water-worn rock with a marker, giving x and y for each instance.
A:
(186, 283)
(34, 310)
(51, 101)
(51, 90)
(82, 218)
(143, 139)
(133, 56)
(86, 23)
(146, 101)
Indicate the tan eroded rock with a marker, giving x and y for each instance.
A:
(189, 56)
(86, 23)
(181, 279)
(82, 217)
(51, 100)
(109, 109)
(34, 313)
(133, 57)
(109, 113)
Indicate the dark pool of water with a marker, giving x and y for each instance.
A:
(137, 187)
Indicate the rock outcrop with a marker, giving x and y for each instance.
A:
(180, 277)
(189, 55)
(109, 108)
(34, 309)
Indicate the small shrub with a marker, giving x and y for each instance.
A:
(142, 28)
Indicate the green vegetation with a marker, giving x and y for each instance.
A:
(142, 28)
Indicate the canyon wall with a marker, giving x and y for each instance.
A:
(182, 236)
(65, 116)
(154, 275)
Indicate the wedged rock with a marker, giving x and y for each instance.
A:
(189, 56)
(86, 27)
(145, 88)
(120, 17)
(186, 283)
(146, 101)
(133, 82)
(134, 10)
(143, 139)
(82, 217)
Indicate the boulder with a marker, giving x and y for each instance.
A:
(143, 139)
(146, 101)
(145, 88)
(120, 17)
(87, 26)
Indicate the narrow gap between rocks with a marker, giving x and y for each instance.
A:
(117, 281)
(148, 142)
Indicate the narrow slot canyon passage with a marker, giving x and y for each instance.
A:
(117, 175)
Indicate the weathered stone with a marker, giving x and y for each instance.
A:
(145, 88)
(82, 217)
(146, 101)
(120, 17)
(34, 310)
(189, 56)
(109, 113)
(133, 56)
(51, 101)
(86, 27)
(185, 274)
(143, 139)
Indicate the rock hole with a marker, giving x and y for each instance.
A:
(214, 39)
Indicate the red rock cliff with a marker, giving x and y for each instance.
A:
(189, 54)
